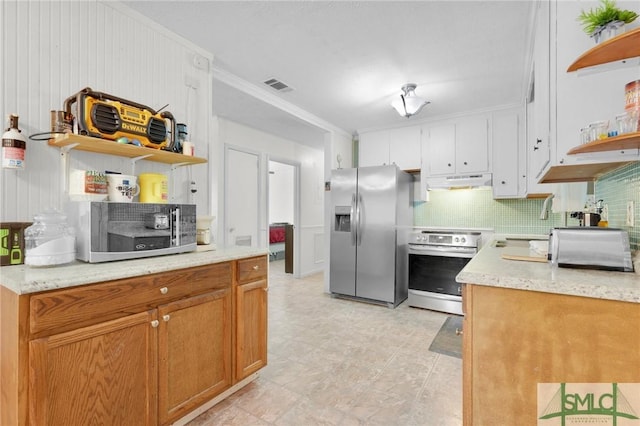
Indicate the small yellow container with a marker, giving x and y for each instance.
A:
(154, 188)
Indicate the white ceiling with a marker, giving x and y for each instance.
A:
(346, 60)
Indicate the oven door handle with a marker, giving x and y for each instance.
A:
(423, 250)
(440, 296)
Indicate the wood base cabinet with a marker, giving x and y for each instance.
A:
(515, 339)
(251, 316)
(101, 374)
(138, 351)
(194, 351)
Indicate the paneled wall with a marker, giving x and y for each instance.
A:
(51, 50)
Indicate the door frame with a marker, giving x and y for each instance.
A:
(225, 226)
(296, 207)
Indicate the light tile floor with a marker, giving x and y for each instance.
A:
(340, 362)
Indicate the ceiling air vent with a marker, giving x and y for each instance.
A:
(278, 85)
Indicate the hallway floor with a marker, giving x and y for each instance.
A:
(339, 362)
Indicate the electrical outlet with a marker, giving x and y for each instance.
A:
(630, 219)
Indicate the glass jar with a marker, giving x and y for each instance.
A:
(598, 130)
(50, 240)
(624, 123)
(585, 135)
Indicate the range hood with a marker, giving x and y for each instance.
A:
(459, 181)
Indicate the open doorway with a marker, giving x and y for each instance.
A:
(283, 212)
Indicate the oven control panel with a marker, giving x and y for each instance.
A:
(458, 239)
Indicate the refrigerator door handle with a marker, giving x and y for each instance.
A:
(352, 219)
(359, 206)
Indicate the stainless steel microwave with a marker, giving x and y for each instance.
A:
(107, 231)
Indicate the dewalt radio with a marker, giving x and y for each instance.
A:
(105, 116)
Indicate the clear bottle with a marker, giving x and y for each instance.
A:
(50, 240)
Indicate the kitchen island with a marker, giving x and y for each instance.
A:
(528, 323)
(146, 341)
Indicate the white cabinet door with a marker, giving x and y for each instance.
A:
(472, 145)
(507, 144)
(541, 136)
(459, 148)
(441, 152)
(404, 147)
(373, 149)
(538, 146)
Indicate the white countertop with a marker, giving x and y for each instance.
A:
(23, 279)
(489, 269)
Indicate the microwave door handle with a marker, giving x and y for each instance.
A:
(352, 219)
(177, 226)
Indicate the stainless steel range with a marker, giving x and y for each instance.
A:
(435, 258)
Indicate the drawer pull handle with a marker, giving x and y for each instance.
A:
(164, 290)
(155, 323)
(458, 332)
(166, 318)
(255, 267)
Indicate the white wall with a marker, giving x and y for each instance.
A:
(52, 50)
(310, 231)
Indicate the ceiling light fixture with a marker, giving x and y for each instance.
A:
(409, 103)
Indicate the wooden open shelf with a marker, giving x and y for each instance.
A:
(616, 143)
(624, 46)
(580, 172)
(105, 146)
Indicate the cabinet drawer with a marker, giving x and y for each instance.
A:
(210, 277)
(252, 269)
(68, 309)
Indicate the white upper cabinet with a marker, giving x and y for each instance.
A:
(508, 143)
(538, 145)
(393, 146)
(459, 147)
(373, 149)
(472, 145)
(404, 147)
(440, 152)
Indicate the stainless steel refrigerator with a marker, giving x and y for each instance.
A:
(370, 220)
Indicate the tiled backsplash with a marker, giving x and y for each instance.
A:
(476, 208)
(616, 189)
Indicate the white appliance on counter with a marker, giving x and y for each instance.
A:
(371, 206)
(435, 259)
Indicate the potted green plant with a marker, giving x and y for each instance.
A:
(605, 21)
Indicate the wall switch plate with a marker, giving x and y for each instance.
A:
(190, 81)
(630, 214)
